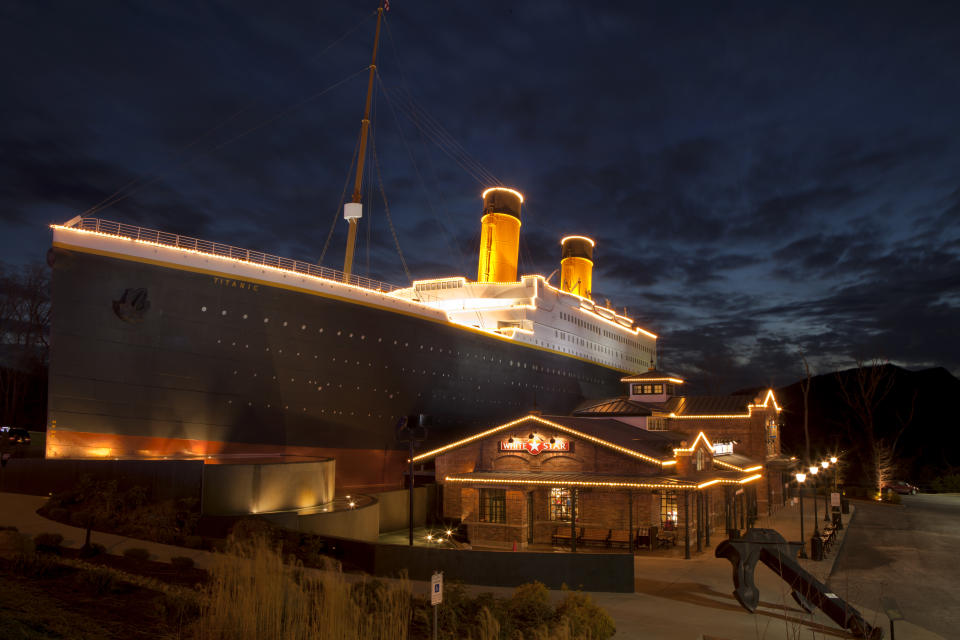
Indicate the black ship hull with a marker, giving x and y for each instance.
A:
(150, 360)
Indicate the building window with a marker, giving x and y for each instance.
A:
(668, 510)
(658, 388)
(701, 461)
(657, 424)
(493, 505)
(561, 503)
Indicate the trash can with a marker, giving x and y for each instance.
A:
(816, 548)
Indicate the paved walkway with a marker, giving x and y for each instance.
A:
(693, 599)
(20, 511)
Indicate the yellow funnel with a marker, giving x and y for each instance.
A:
(500, 235)
(576, 266)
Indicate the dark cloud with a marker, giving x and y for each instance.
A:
(761, 180)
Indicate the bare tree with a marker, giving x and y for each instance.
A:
(24, 330)
(863, 392)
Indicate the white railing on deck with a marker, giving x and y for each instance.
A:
(226, 251)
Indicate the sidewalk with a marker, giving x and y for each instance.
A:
(693, 599)
(20, 510)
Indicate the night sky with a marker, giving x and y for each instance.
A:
(762, 179)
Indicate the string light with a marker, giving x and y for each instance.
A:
(750, 407)
(554, 425)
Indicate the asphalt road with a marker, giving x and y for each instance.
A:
(908, 552)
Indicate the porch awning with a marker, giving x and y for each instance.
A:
(596, 480)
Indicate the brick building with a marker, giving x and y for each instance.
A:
(651, 466)
(748, 424)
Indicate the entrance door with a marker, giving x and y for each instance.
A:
(530, 518)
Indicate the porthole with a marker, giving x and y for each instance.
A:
(224, 312)
(203, 309)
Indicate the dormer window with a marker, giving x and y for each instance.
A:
(647, 389)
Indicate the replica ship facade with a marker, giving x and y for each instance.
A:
(166, 346)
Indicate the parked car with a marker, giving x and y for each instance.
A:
(14, 435)
(901, 487)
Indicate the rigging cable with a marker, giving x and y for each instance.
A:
(133, 186)
(230, 140)
(386, 209)
(343, 199)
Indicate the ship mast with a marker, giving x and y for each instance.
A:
(353, 210)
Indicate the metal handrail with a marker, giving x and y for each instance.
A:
(165, 238)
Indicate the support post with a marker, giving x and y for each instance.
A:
(573, 519)
(708, 522)
(803, 542)
(699, 502)
(630, 523)
(686, 524)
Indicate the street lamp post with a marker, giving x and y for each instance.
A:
(813, 473)
(833, 461)
(826, 503)
(801, 476)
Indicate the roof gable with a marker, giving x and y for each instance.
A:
(611, 434)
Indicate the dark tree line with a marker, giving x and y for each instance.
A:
(24, 340)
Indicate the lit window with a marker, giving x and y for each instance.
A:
(668, 510)
(561, 502)
(493, 505)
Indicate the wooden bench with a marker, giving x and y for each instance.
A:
(667, 538)
(561, 535)
(598, 537)
(619, 538)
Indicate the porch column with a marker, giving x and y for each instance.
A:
(699, 530)
(573, 520)
(630, 526)
(727, 509)
(686, 524)
(708, 523)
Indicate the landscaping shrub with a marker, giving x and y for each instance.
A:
(529, 608)
(37, 565)
(946, 484)
(15, 545)
(48, 542)
(178, 608)
(253, 594)
(136, 553)
(134, 498)
(181, 563)
(94, 549)
(584, 618)
(59, 514)
(100, 580)
(81, 519)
